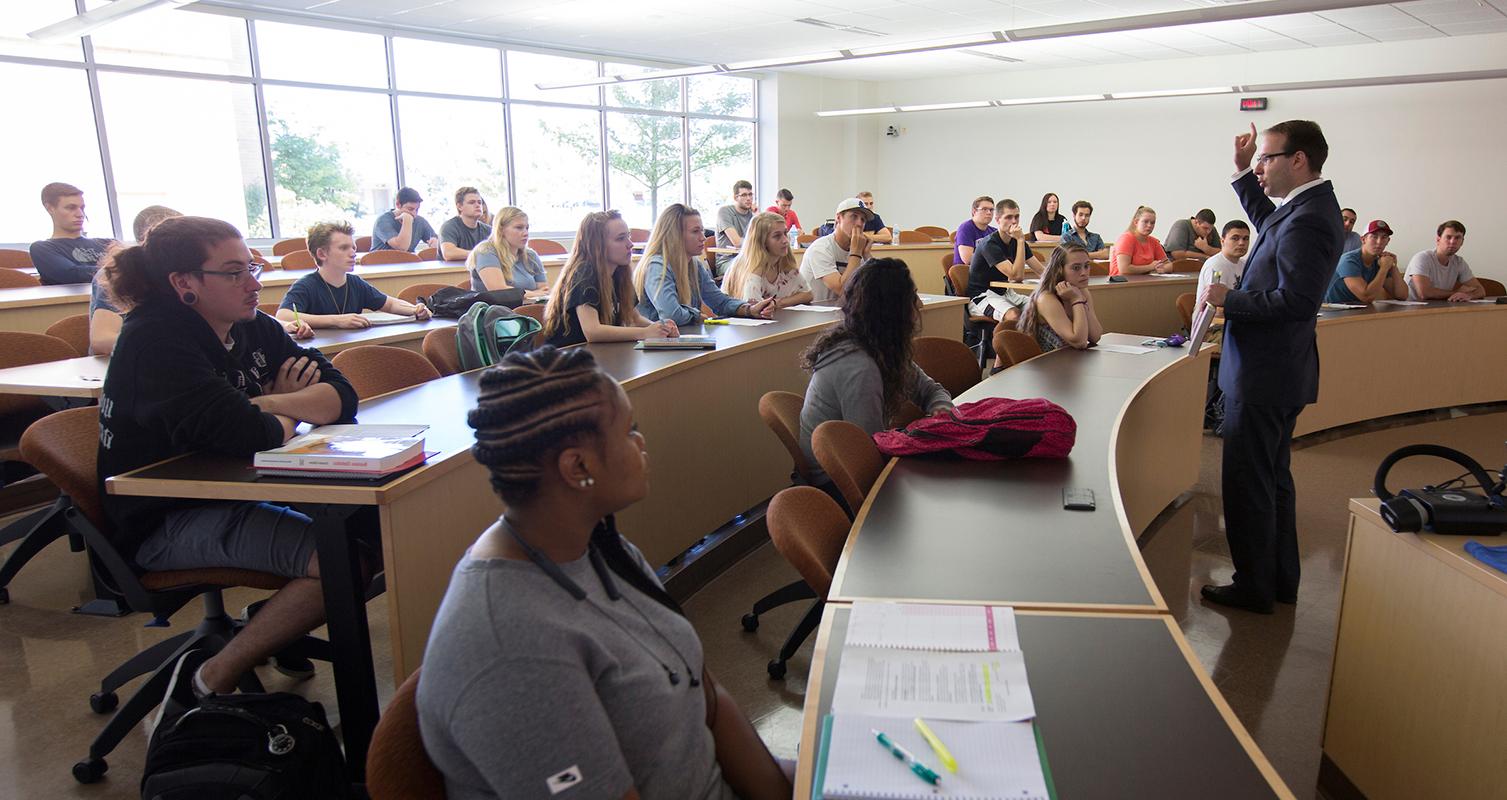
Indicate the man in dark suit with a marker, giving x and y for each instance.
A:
(1269, 365)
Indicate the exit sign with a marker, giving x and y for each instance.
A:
(1253, 104)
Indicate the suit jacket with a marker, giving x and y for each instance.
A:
(1270, 355)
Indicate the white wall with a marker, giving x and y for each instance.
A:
(820, 160)
(1413, 155)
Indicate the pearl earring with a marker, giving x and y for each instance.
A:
(588, 481)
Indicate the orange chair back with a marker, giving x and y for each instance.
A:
(1188, 265)
(363, 244)
(948, 362)
(638, 235)
(957, 275)
(711, 241)
(947, 267)
(18, 349)
(781, 411)
(1185, 308)
(389, 257)
(914, 237)
(375, 369)
(546, 247)
(937, 233)
(14, 259)
(397, 767)
(809, 529)
(1493, 288)
(849, 457)
(299, 259)
(1013, 347)
(64, 446)
(74, 330)
(270, 309)
(411, 294)
(1098, 267)
(16, 279)
(287, 246)
(429, 254)
(442, 351)
(806, 238)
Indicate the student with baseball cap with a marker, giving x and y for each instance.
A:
(830, 260)
(1369, 273)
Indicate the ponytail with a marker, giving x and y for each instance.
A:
(139, 274)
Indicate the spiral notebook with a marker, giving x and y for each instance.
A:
(995, 760)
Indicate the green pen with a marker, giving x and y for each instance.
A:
(921, 771)
(296, 318)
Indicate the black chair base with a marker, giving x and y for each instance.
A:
(796, 638)
(790, 593)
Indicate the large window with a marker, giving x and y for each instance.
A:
(202, 155)
(64, 149)
(557, 153)
(332, 156)
(274, 126)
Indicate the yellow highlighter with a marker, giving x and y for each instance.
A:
(296, 318)
(937, 747)
(714, 321)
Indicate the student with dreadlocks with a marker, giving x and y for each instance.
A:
(861, 368)
(557, 660)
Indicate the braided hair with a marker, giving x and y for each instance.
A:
(532, 406)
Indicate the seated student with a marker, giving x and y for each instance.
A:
(197, 368)
(732, 223)
(557, 660)
(505, 260)
(830, 260)
(973, 229)
(402, 228)
(765, 269)
(464, 231)
(861, 368)
(1370, 273)
(486, 215)
(68, 256)
(1193, 237)
(1046, 224)
(1061, 310)
(672, 283)
(331, 296)
(1137, 252)
(1075, 231)
(874, 227)
(1001, 256)
(594, 301)
(1228, 264)
(1352, 239)
(1441, 274)
(783, 200)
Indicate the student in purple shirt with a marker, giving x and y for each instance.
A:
(973, 229)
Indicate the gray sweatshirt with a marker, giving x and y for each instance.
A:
(846, 385)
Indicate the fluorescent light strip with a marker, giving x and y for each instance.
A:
(853, 112)
(1066, 98)
(1252, 9)
(948, 106)
(1171, 93)
(80, 25)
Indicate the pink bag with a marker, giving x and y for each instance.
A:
(992, 429)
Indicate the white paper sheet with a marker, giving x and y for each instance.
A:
(1401, 303)
(1128, 349)
(929, 626)
(809, 307)
(995, 760)
(979, 687)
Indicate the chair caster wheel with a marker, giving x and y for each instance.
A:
(90, 770)
(777, 670)
(103, 703)
(750, 622)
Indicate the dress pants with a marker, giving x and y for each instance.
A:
(1260, 513)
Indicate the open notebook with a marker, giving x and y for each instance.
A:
(995, 760)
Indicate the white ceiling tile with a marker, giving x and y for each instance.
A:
(1486, 14)
(1370, 18)
(1402, 34)
(1336, 39)
(1472, 28)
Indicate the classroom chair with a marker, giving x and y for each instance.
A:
(914, 237)
(947, 273)
(14, 259)
(74, 330)
(464, 285)
(1098, 266)
(397, 767)
(441, 349)
(809, 529)
(535, 310)
(270, 309)
(16, 279)
(937, 233)
(390, 257)
(948, 362)
(287, 246)
(709, 243)
(547, 247)
(1193, 265)
(299, 259)
(64, 446)
(806, 238)
(957, 278)
(375, 369)
(1493, 288)
(429, 254)
(849, 457)
(363, 244)
(1185, 309)
(638, 235)
(411, 294)
(1013, 347)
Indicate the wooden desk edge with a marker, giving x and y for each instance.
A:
(1369, 509)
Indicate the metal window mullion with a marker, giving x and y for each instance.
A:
(107, 167)
(511, 180)
(274, 222)
(392, 102)
(602, 153)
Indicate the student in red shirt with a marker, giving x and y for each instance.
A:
(782, 202)
(1137, 252)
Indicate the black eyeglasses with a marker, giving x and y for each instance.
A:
(236, 276)
(1266, 158)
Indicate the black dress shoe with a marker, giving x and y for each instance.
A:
(1229, 595)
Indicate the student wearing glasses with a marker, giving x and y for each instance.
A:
(332, 296)
(733, 221)
(197, 368)
(973, 229)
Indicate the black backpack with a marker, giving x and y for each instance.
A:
(274, 746)
(451, 302)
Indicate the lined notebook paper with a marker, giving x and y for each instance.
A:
(930, 626)
(995, 760)
(914, 683)
(808, 307)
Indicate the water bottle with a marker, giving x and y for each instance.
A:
(795, 242)
(895, 235)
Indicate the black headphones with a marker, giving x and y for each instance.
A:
(1442, 510)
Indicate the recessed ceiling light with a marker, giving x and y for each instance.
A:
(833, 26)
(1170, 92)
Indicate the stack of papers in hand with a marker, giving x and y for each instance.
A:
(345, 451)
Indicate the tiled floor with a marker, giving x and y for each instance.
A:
(1273, 670)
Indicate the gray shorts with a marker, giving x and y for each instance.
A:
(239, 535)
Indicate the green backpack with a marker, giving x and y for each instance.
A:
(486, 333)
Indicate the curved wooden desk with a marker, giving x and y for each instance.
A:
(1144, 305)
